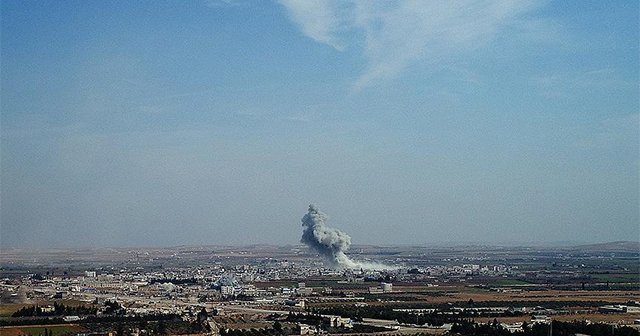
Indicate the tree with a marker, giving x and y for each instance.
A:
(525, 327)
(277, 326)
(161, 328)
(120, 329)
(142, 324)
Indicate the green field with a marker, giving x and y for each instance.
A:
(509, 282)
(619, 277)
(57, 330)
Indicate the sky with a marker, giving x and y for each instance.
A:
(163, 123)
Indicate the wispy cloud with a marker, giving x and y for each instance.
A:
(224, 3)
(399, 33)
(320, 20)
(565, 84)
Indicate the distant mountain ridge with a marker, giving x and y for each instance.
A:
(623, 245)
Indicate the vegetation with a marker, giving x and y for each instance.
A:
(49, 330)
(258, 332)
(509, 282)
(470, 328)
(90, 320)
(387, 313)
(444, 312)
(188, 281)
(58, 310)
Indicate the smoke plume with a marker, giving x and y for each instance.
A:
(330, 243)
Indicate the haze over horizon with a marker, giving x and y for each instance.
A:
(164, 123)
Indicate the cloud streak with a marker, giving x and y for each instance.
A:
(394, 35)
(319, 20)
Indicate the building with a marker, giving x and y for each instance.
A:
(306, 329)
(382, 288)
(375, 290)
(227, 290)
(540, 319)
(613, 309)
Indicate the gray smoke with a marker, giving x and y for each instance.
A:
(330, 243)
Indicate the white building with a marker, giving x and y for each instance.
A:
(227, 290)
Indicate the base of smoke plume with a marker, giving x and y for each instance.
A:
(373, 266)
(339, 260)
(342, 261)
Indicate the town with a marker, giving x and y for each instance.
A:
(217, 290)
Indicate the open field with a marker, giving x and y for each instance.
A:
(617, 277)
(463, 294)
(7, 309)
(58, 330)
(460, 296)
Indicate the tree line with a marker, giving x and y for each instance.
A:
(468, 327)
(58, 310)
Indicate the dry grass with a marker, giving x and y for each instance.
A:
(464, 294)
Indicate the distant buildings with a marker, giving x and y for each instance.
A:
(619, 309)
(384, 287)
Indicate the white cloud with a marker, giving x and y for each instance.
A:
(399, 33)
(319, 20)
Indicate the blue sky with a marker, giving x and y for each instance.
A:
(408, 122)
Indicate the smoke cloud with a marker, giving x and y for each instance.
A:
(330, 243)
